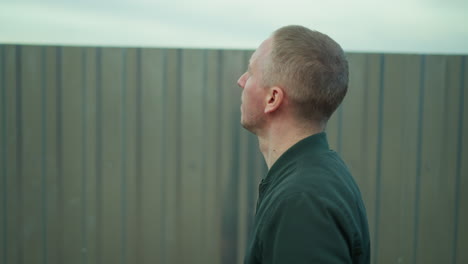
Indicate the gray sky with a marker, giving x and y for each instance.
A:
(401, 26)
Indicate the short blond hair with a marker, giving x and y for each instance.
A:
(311, 67)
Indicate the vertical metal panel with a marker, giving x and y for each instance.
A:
(417, 193)
(10, 129)
(369, 146)
(20, 231)
(203, 182)
(60, 242)
(43, 157)
(212, 127)
(89, 100)
(172, 166)
(72, 148)
(84, 162)
(406, 71)
(242, 198)
(152, 153)
(138, 157)
(99, 156)
(129, 130)
(378, 163)
(462, 173)
(112, 65)
(50, 145)
(409, 70)
(378, 170)
(398, 157)
(191, 156)
(437, 191)
(31, 153)
(449, 155)
(123, 159)
(162, 169)
(3, 157)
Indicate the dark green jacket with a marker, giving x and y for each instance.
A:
(309, 210)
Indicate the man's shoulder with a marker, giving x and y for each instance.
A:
(313, 172)
(317, 176)
(324, 178)
(326, 162)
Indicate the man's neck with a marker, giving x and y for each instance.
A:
(274, 142)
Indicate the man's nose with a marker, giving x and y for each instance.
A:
(241, 81)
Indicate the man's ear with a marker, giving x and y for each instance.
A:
(275, 98)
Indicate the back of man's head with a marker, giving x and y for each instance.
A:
(311, 68)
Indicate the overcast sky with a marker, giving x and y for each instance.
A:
(401, 26)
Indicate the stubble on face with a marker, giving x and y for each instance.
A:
(253, 92)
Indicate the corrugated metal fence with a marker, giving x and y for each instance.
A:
(113, 155)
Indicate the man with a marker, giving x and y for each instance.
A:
(309, 208)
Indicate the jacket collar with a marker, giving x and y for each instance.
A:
(311, 144)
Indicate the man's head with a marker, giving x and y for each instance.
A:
(305, 68)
